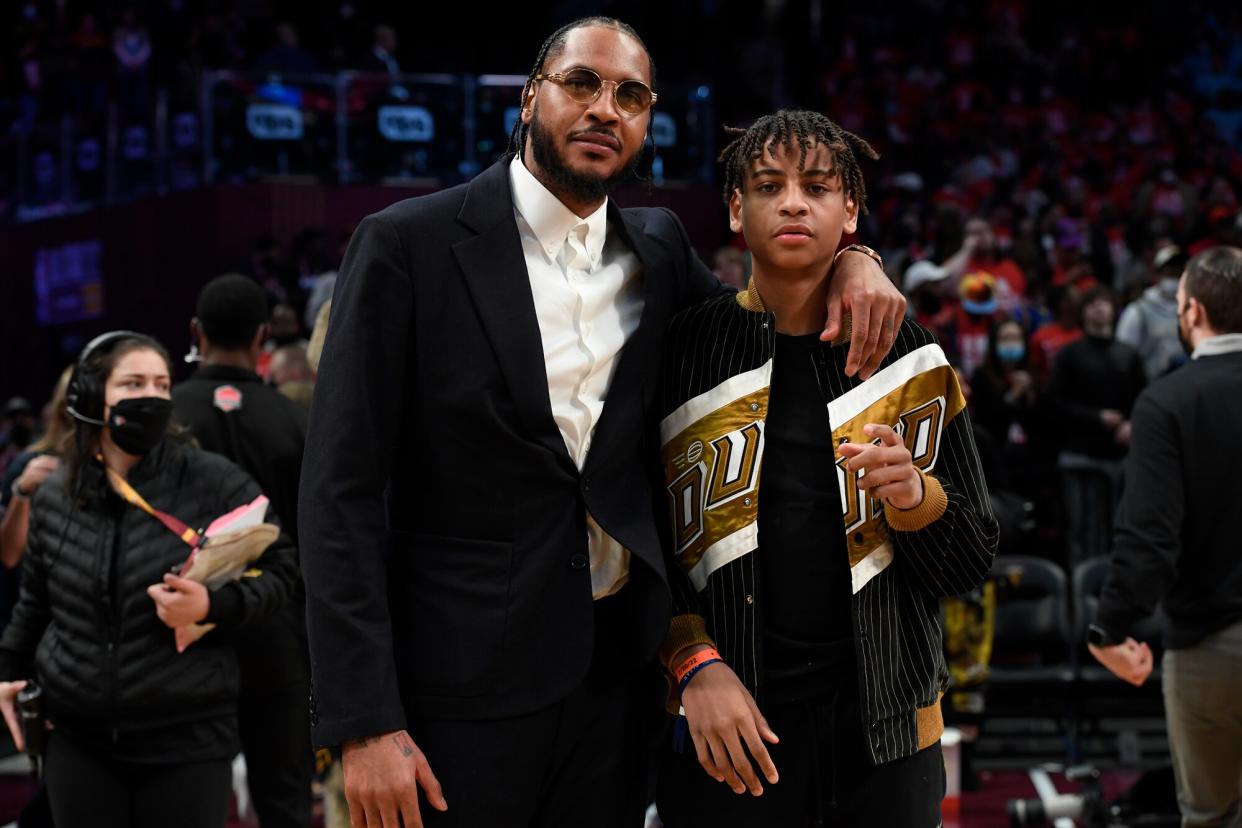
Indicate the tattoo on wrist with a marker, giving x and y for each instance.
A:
(403, 744)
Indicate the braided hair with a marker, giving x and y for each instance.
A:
(785, 128)
(550, 49)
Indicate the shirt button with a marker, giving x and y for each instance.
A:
(578, 562)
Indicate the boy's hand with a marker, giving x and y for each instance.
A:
(722, 715)
(888, 473)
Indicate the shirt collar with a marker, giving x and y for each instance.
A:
(549, 219)
(1217, 345)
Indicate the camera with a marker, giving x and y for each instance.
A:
(1149, 803)
(1088, 805)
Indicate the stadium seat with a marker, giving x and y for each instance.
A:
(1031, 652)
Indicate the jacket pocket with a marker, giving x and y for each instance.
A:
(449, 600)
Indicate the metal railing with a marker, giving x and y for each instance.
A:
(349, 127)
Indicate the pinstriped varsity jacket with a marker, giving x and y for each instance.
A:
(718, 363)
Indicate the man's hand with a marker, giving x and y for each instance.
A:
(888, 470)
(179, 602)
(860, 288)
(722, 716)
(8, 707)
(1122, 434)
(1129, 661)
(36, 471)
(382, 777)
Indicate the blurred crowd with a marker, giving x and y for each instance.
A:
(1044, 174)
(75, 58)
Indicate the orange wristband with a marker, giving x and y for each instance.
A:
(695, 660)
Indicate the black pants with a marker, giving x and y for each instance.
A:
(88, 791)
(38, 811)
(580, 762)
(273, 718)
(826, 779)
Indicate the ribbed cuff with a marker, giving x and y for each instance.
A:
(683, 631)
(935, 501)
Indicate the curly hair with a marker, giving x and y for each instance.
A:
(801, 127)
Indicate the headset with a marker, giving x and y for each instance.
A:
(86, 401)
(85, 393)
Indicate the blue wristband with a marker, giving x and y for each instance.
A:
(681, 688)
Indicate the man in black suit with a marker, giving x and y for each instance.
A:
(484, 579)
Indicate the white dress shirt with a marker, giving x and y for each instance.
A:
(588, 299)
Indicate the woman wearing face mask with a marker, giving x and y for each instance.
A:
(142, 735)
(1004, 391)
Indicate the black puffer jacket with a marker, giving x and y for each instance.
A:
(86, 629)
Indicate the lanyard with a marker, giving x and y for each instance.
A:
(121, 486)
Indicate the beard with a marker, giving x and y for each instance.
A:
(581, 186)
(1184, 338)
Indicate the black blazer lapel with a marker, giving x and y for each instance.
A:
(496, 275)
(640, 361)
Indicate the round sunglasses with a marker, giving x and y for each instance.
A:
(633, 97)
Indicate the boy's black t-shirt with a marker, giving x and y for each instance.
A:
(804, 563)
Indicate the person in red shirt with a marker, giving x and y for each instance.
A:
(1071, 266)
(1051, 338)
(985, 256)
(976, 315)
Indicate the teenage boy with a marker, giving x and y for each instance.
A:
(806, 636)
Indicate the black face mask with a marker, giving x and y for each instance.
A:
(138, 424)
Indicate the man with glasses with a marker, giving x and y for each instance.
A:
(483, 574)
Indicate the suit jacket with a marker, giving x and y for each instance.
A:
(443, 523)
